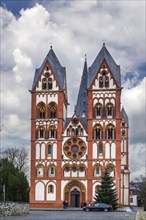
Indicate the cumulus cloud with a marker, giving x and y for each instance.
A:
(74, 28)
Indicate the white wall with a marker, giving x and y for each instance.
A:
(39, 191)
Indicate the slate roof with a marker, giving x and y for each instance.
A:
(83, 121)
(115, 69)
(58, 70)
(82, 101)
(124, 116)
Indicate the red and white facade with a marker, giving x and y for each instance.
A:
(69, 155)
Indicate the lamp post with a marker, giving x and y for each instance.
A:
(4, 193)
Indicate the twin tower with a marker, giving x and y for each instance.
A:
(69, 155)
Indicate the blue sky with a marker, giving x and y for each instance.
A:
(74, 28)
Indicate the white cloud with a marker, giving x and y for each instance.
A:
(74, 28)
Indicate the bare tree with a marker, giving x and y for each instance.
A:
(19, 157)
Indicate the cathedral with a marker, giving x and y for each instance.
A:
(70, 154)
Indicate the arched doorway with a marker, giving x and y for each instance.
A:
(74, 193)
(75, 198)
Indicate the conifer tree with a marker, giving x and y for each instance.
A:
(106, 193)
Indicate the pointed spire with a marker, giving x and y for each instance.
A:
(81, 105)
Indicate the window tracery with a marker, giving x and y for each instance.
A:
(41, 110)
(74, 148)
(104, 79)
(52, 110)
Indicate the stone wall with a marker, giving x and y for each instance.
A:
(14, 208)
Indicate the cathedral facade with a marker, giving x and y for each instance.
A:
(70, 154)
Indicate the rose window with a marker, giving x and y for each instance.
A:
(74, 148)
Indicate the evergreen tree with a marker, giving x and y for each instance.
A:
(15, 181)
(106, 193)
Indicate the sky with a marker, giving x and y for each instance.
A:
(73, 28)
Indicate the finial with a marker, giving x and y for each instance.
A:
(51, 45)
(103, 42)
(85, 57)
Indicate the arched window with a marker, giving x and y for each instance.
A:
(99, 149)
(40, 171)
(106, 81)
(109, 108)
(110, 131)
(49, 83)
(52, 132)
(110, 167)
(101, 82)
(51, 170)
(50, 189)
(97, 187)
(98, 110)
(52, 108)
(68, 132)
(97, 170)
(44, 84)
(123, 133)
(50, 150)
(41, 110)
(97, 132)
(40, 133)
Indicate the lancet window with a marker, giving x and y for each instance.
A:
(50, 150)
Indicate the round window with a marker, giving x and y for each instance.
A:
(74, 148)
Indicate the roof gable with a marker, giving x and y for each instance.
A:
(58, 70)
(75, 121)
(115, 69)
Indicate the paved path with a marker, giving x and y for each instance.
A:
(141, 215)
(73, 215)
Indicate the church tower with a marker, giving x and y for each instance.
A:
(69, 155)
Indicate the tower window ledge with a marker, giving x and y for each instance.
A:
(109, 116)
(98, 117)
